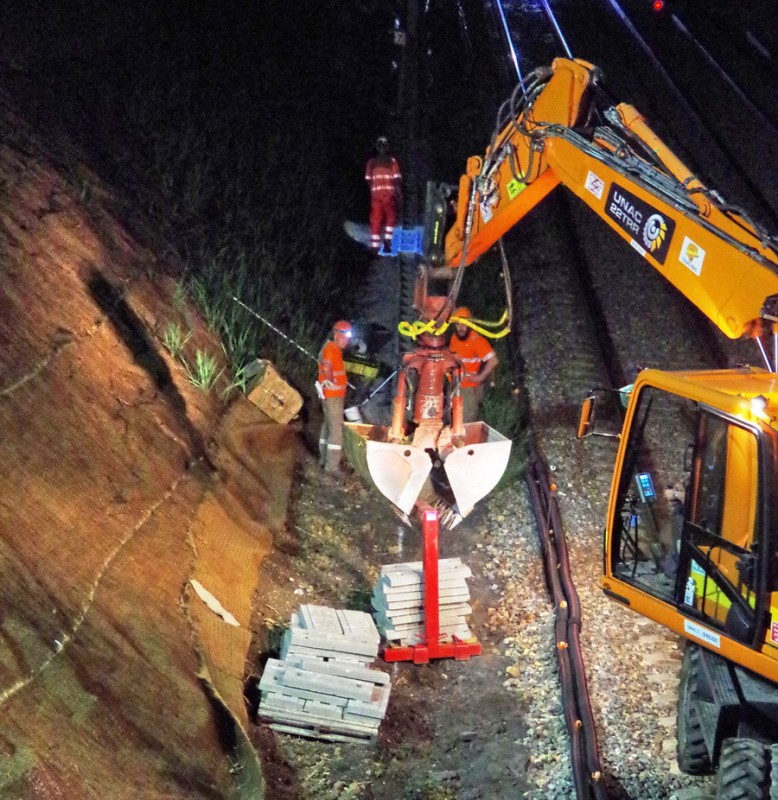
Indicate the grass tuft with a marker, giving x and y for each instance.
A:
(205, 371)
(174, 339)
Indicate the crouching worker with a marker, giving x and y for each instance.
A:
(331, 388)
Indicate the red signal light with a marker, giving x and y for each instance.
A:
(658, 5)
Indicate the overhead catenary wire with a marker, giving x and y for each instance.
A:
(557, 29)
(688, 108)
(723, 74)
(509, 40)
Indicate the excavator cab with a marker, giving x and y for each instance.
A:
(692, 535)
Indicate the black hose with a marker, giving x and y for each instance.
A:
(584, 751)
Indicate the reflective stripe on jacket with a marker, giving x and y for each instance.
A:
(331, 354)
(383, 176)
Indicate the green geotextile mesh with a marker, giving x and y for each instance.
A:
(111, 668)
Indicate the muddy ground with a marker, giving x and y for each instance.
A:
(452, 729)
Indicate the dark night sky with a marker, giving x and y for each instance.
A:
(254, 66)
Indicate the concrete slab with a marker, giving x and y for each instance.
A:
(340, 669)
(332, 643)
(325, 656)
(410, 573)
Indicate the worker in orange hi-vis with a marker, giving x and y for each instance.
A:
(384, 177)
(331, 388)
(478, 359)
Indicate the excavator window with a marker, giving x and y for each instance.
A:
(687, 514)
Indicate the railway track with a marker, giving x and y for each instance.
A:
(628, 714)
(590, 312)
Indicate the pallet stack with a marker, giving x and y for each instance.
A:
(398, 600)
(322, 686)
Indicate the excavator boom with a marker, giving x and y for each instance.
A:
(711, 253)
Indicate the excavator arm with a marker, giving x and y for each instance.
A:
(554, 130)
(713, 254)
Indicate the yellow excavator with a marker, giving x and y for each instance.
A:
(691, 536)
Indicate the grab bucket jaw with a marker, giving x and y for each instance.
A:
(400, 471)
(475, 469)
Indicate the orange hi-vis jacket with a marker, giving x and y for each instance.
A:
(331, 354)
(383, 176)
(472, 352)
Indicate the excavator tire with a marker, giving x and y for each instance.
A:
(691, 751)
(744, 771)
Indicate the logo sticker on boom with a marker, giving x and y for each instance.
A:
(774, 632)
(691, 255)
(650, 230)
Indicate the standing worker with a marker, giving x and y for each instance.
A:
(478, 359)
(331, 387)
(384, 178)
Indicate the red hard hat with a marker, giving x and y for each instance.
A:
(462, 313)
(341, 326)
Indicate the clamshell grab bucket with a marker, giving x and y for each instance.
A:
(400, 471)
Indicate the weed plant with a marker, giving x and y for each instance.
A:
(205, 371)
(175, 339)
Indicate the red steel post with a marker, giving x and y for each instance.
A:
(430, 527)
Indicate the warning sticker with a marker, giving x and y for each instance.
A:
(774, 632)
(691, 255)
(648, 227)
(595, 185)
(515, 188)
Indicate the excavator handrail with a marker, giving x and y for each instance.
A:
(659, 183)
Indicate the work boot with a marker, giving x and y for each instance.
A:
(387, 248)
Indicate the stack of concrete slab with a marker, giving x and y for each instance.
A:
(398, 600)
(322, 686)
(329, 633)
